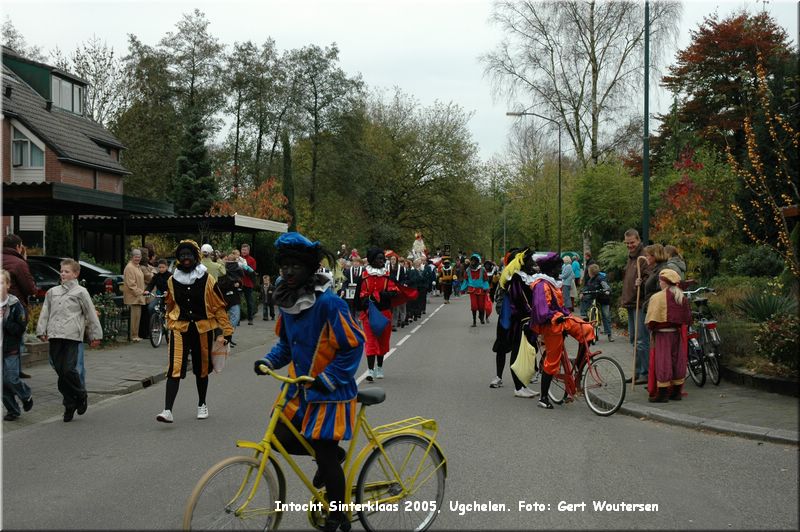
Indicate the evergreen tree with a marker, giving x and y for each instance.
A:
(195, 188)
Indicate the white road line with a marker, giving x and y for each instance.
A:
(363, 376)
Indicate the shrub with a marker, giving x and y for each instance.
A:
(33, 317)
(110, 316)
(762, 307)
(757, 261)
(778, 340)
(612, 258)
(737, 338)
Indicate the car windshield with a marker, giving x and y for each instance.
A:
(94, 267)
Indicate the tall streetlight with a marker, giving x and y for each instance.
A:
(558, 124)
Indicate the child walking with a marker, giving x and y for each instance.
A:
(66, 312)
(15, 321)
(267, 289)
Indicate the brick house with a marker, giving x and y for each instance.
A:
(51, 151)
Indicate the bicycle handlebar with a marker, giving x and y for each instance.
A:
(701, 289)
(287, 380)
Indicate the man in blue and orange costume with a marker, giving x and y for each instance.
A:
(551, 319)
(318, 337)
(476, 284)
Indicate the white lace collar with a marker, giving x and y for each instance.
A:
(374, 271)
(190, 277)
(543, 277)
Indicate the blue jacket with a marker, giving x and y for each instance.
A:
(323, 341)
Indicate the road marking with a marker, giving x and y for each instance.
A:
(363, 376)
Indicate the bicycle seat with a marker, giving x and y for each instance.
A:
(371, 396)
(700, 300)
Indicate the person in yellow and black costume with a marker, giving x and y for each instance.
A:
(195, 308)
(447, 276)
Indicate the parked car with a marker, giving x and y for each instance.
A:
(44, 277)
(96, 279)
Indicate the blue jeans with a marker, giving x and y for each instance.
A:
(234, 314)
(13, 386)
(642, 344)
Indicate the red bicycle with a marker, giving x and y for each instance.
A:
(599, 378)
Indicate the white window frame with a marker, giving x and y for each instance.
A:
(30, 139)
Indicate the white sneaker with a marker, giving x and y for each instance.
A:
(370, 375)
(202, 412)
(497, 382)
(165, 416)
(525, 393)
(379, 372)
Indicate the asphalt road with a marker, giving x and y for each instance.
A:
(117, 468)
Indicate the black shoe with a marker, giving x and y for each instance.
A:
(69, 413)
(264, 319)
(628, 380)
(10, 417)
(641, 380)
(394, 328)
(473, 324)
(27, 405)
(233, 344)
(482, 322)
(545, 403)
(249, 322)
(336, 522)
(83, 406)
(23, 375)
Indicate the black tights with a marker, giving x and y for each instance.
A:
(371, 361)
(328, 455)
(172, 390)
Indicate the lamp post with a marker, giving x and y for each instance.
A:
(558, 124)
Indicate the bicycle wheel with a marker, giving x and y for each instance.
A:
(712, 364)
(594, 319)
(215, 500)
(603, 385)
(156, 330)
(696, 367)
(419, 468)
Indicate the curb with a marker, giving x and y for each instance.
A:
(758, 381)
(724, 427)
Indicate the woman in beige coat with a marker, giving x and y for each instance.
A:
(133, 292)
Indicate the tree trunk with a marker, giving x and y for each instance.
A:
(236, 142)
(288, 182)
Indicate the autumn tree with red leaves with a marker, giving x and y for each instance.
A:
(266, 202)
(715, 80)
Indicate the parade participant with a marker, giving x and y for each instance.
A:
(551, 319)
(66, 311)
(317, 337)
(352, 283)
(195, 308)
(447, 276)
(668, 318)
(418, 280)
(379, 288)
(493, 274)
(519, 275)
(399, 274)
(476, 284)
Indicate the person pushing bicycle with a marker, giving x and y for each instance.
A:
(551, 319)
(318, 337)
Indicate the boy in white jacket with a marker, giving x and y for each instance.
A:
(66, 311)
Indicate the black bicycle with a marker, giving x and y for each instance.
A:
(158, 324)
(704, 340)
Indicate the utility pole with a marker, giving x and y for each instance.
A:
(646, 150)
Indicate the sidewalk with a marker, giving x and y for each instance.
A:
(727, 408)
(120, 369)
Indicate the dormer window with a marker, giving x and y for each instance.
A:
(24, 153)
(67, 95)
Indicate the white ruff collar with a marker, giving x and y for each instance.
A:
(374, 271)
(190, 277)
(547, 278)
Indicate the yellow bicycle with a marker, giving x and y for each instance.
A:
(397, 478)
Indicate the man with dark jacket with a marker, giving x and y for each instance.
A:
(22, 284)
(636, 272)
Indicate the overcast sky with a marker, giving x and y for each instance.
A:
(428, 48)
